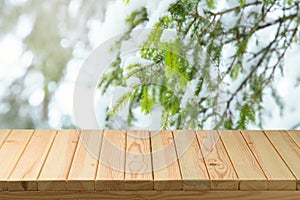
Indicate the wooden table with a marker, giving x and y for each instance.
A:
(115, 164)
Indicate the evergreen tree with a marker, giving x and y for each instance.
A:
(233, 99)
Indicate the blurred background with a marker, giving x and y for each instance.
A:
(44, 43)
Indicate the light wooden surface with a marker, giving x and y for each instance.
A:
(57, 166)
(248, 170)
(296, 136)
(278, 175)
(150, 163)
(110, 173)
(219, 166)
(288, 151)
(153, 195)
(166, 169)
(10, 152)
(138, 164)
(26, 172)
(85, 162)
(3, 136)
(193, 169)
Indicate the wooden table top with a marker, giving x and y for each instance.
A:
(116, 160)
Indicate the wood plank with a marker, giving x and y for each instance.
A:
(110, 175)
(3, 135)
(248, 170)
(186, 195)
(138, 165)
(84, 166)
(10, 153)
(193, 169)
(58, 162)
(46, 161)
(288, 151)
(24, 177)
(166, 169)
(278, 175)
(296, 136)
(219, 166)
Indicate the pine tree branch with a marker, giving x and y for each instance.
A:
(234, 8)
(279, 20)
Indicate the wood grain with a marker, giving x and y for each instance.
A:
(166, 169)
(25, 174)
(248, 170)
(85, 162)
(111, 163)
(138, 165)
(220, 169)
(193, 169)
(288, 151)
(56, 168)
(296, 136)
(152, 195)
(3, 135)
(110, 175)
(11, 150)
(278, 175)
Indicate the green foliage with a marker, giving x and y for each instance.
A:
(242, 2)
(137, 17)
(235, 72)
(199, 86)
(211, 4)
(121, 102)
(247, 115)
(277, 99)
(228, 124)
(147, 101)
(242, 47)
(202, 37)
